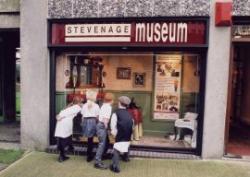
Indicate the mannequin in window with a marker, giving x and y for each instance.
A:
(137, 117)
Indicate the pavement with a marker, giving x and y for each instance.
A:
(2, 166)
(10, 132)
(41, 164)
(10, 145)
(9, 153)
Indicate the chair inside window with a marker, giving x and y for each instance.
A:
(189, 121)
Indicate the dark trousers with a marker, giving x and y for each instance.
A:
(116, 158)
(62, 143)
(106, 146)
(125, 156)
(90, 146)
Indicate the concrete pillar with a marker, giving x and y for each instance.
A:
(216, 89)
(34, 75)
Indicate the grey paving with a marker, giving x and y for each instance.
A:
(10, 145)
(10, 132)
(46, 165)
(2, 166)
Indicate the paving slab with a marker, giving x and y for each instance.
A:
(40, 164)
(2, 166)
(10, 145)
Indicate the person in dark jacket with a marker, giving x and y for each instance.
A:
(121, 129)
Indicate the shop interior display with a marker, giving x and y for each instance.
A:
(137, 118)
(167, 83)
(189, 121)
(84, 72)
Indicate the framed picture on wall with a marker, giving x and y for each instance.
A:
(139, 79)
(123, 73)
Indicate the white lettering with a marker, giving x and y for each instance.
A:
(161, 32)
(172, 32)
(164, 32)
(140, 32)
(157, 36)
(150, 32)
(182, 32)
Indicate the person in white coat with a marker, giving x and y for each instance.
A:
(64, 127)
(121, 129)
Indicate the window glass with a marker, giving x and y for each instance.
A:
(164, 87)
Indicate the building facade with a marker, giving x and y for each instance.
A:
(168, 55)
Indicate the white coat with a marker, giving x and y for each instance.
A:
(64, 127)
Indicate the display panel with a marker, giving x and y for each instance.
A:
(167, 86)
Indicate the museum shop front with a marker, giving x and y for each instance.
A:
(160, 63)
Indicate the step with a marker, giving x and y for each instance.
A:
(81, 150)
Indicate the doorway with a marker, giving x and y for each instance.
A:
(9, 86)
(239, 111)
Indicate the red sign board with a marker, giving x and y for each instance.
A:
(169, 33)
(223, 16)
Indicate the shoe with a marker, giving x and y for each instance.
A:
(114, 169)
(89, 158)
(125, 159)
(66, 158)
(62, 158)
(100, 166)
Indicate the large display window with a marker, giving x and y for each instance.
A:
(165, 87)
(160, 63)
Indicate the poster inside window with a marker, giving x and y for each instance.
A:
(167, 91)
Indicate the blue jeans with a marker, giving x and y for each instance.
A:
(102, 135)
